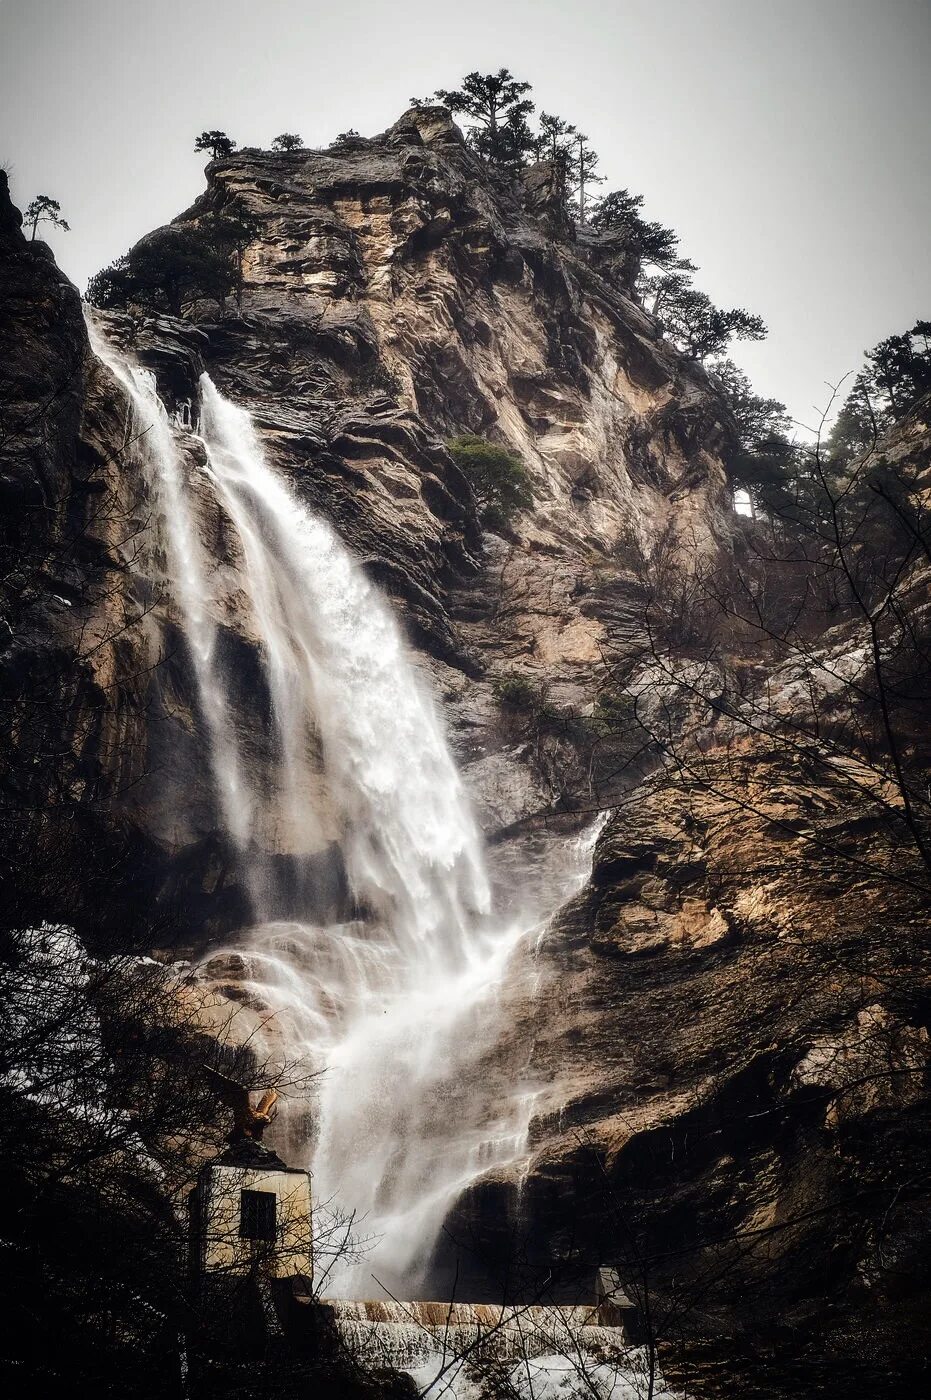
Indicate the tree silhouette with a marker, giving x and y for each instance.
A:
(287, 141)
(228, 235)
(499, 478)
(649, 241)
(554, 142)
(693, 322)
(172, 267)
(44, 210)
(216, 142)
(764, 460)
(495, 102)
(583, 173)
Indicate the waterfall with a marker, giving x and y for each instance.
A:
(397, 1005)
(394, 1004)
(337, 664)
(150, 442)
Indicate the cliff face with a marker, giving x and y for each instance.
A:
(394, 298)
(710, 1007)
(391, 297)
(733, 1021)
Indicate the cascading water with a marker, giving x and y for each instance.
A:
(379, 1002)
(398, 1004)
(150, 440)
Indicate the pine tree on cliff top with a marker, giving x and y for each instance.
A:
(554, 142)
(287, 141)
(583, 165)
(45, 210)
(497, 104)
(216, 142)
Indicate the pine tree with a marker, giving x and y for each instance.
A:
(651, 242)
(496, 104)
(554, 142)
(287, 141)
(583, 167)
(216, 142)
(897, 373)
(44, 210)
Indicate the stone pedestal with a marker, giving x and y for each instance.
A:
(251, 1217)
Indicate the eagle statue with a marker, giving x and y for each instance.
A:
(248, 1123)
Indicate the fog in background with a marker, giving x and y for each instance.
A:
(787, 141)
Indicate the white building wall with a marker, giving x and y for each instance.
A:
(223, 1250)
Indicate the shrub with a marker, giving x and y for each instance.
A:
(614, 713)
(216, 142)
(514, 692)
(287, 141)
(374, 376)
(498, 477)
(172, 267)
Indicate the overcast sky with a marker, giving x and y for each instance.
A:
(788, 141)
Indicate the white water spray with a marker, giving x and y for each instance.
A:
(400, 1004)
(337, 665)
(394, 1005)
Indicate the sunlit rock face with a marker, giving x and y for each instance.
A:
(731, 1036)
(394, 297)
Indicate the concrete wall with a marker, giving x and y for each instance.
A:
(217, 1217)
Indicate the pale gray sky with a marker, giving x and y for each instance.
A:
(786, 140)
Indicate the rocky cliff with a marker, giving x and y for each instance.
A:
(392, 297)
(734, 1022)
(725, 1018)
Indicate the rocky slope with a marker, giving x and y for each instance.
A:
(733, 1026)
(393, 298)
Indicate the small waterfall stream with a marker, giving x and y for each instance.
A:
(399, 1004)
(150, 441)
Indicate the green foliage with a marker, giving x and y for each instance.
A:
(646, 243)
(498, 477)
(857, 426)
(693, 322)
(497, 106)
(110, 286)
(896, 375)
(515, 692)
(899, 369)
(568, 150)
(226, 236)
(688, 316)
(763, 461)
(175, 266)
(759, 421)
(520, 696)
(287, 141)
(583, 174)
(216, 142)
(614, 714)
(44, 210)
(554, 141)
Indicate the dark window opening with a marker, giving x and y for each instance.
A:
(257, 1215)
